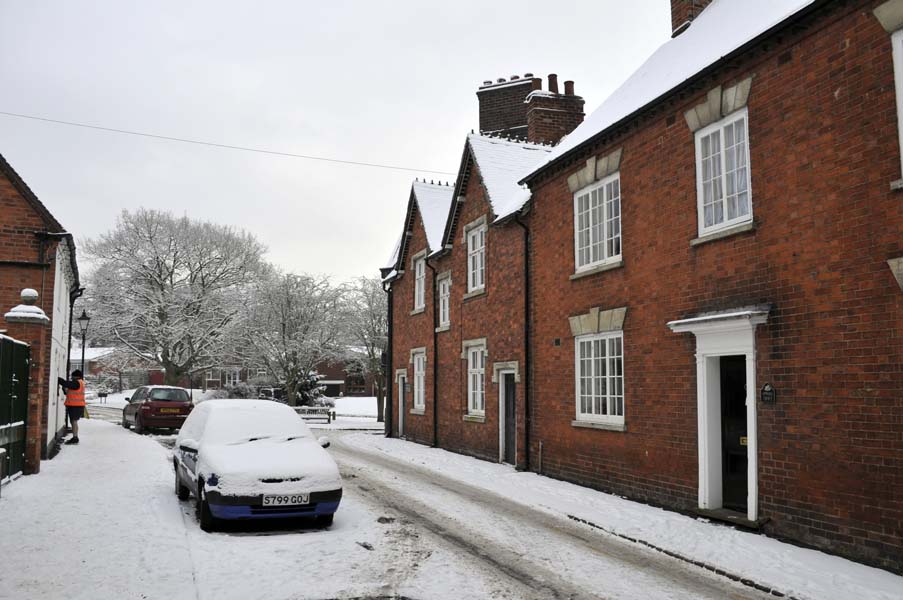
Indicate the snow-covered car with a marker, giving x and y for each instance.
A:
(254, 459)
(157, 406)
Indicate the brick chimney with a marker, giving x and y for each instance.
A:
(684, 11)
(550, 115)
(502, 108)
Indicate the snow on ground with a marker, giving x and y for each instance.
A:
(101, 521)
(795, 571)
(116, 400)
(352, 413)
(351, 406)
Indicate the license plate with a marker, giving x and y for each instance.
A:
(171, 410)
(286, 500)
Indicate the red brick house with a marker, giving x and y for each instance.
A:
(37, 253)
(714, 281)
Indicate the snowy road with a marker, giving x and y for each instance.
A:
(518, 551)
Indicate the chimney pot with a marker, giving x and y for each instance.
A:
(553, 83)
(568, 88)
(537, 84)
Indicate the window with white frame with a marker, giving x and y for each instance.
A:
(444, 301)
(722, 173)
(419, 379)
(233, 376)
(896, 40)
(419, 283)
(597, 223)
(476, 258)
(600, 377)
(476, 379)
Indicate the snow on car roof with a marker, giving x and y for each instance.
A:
(232, 420)
(723, 27)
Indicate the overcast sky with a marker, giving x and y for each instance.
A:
(381, 82)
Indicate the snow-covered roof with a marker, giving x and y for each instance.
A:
(433, 201)
(90, 353)
(723, 27)
(502, 162)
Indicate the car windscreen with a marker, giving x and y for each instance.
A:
(240, 425)
(167, 395)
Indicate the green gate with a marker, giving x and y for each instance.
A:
(13, 405)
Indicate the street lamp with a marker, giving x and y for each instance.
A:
(83, 321)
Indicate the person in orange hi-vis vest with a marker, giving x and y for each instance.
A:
(75, 401)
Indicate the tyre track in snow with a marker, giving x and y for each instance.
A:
(493, 560)
(533, 550)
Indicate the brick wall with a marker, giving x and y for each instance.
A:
(24, 264)
(496, 315)
(409, 332)
(686, 10)
(551, 117)
(502, 108)
(824, 149)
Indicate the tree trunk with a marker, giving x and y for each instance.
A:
(172, 374)
(291, 394)
(380, 402)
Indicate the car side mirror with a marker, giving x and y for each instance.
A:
(188, 445)
(323, 441)
(127, 399)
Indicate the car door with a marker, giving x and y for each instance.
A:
(132, 407)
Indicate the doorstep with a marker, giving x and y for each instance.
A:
(733, 517)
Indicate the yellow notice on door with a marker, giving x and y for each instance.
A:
(743, 441)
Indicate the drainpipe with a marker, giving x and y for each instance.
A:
(528, 375)
(390, 382)
(435, 359)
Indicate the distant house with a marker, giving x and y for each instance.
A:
(92, 358)
(37, 253)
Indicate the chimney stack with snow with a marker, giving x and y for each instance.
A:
(550, 115)
(502, 108)
(684, 11)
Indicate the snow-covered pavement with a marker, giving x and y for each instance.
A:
(102, 521)
(784, 568)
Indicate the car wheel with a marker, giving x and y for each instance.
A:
(325, 520)
(139, 426)
(182, 491)
(125, 423)
(205, 517)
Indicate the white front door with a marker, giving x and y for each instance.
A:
(725, 341)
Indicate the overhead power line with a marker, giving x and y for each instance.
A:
(227, 146)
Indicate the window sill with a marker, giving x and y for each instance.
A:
(418, 411)
(597, 269)
(417, 311)
(896, 185)
(475, 293)
(717, 235)
(475, 418)
(443, 328)
(605, 426)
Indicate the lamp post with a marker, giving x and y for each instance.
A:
(83, 321)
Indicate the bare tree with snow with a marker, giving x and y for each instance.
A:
(293, 323)
(366, 322)
(169, 288)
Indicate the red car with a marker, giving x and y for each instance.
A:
(156, 406)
